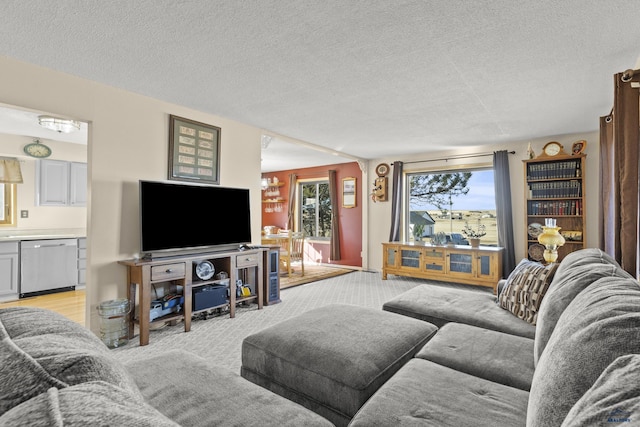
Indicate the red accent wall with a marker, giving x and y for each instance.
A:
(350, 219)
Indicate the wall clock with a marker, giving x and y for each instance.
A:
(205, 270)
(382, 169)
(37, 149)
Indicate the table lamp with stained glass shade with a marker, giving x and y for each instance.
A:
(551, 239)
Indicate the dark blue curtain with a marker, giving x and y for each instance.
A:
(504, 211)
(396, 203)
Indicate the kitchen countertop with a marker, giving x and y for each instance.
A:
(41, 234)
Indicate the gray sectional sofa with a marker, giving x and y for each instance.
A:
(579, 365)
(54, 372)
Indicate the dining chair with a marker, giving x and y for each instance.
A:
(292, 250)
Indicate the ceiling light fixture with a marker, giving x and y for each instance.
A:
(57, 124)
(265, 141)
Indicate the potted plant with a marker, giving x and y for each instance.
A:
(474, 235)
(418, 231)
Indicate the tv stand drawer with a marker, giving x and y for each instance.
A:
(168, 271)
(247, 260)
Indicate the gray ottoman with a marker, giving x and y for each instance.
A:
(332, 359)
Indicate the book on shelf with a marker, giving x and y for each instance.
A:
(554, 170)
(555, 208)
(555, 189)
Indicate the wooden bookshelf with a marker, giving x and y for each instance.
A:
(555, 188)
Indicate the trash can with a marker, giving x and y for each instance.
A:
(114, 322)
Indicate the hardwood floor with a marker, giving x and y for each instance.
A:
(312, 273)
(70, 304)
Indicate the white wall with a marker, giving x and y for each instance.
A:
(43, 217)
(379, 214)
(128, 141)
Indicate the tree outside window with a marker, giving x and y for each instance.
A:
(315, 209)
(447, 201)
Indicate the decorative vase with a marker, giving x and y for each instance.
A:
(474, 242)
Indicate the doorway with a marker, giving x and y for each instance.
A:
(20, 130)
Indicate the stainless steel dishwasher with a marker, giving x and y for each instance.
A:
(48, 265)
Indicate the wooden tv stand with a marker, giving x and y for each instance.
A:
(246, 265)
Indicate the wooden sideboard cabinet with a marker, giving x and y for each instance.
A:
(481, 266)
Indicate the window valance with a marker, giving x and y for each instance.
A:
(10, 172)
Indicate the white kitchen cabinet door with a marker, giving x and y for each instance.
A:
(61, 183)
(53, 183)
(9, 270)
(78, 184)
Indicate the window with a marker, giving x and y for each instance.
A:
(9, 205)
(315, 209)
(446, 201)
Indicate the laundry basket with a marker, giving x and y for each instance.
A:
(114, 322)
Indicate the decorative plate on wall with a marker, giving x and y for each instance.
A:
(536, 252)
(534, 230)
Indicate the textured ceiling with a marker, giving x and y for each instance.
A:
(367, 78)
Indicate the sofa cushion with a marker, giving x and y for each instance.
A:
(40, 349)
(613, 399)
(209, 395)
(333, 358)
(599, 325)
(89, 404)
(439, 306)
(563, 290)
(589, 256)
(525, 289)
(424, 393)
(495, 356)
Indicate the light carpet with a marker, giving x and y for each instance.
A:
(219, 339)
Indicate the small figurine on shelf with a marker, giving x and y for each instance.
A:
(530, 152)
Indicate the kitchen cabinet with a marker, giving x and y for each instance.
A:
(9, 265)
(61, 183)
(77, 184)
(82, 261)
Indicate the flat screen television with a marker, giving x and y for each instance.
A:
(189, 218)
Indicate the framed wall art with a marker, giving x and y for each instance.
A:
(578, 147)
(349, 192)
(194, 151)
